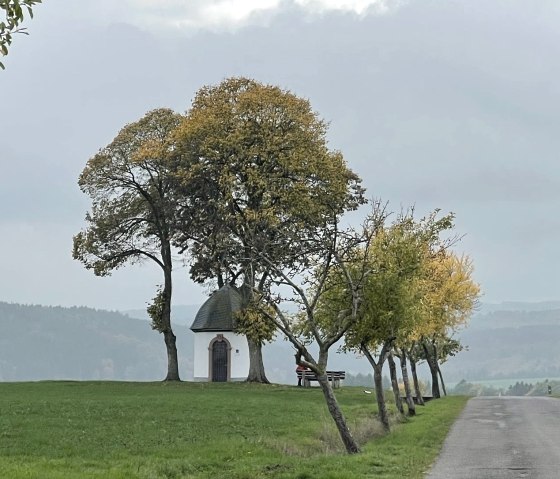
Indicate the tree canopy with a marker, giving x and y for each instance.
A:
(263, 155)
(132, 215)
(391, 294)
(259, 157)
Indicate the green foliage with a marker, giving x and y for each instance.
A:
(445, 347)
(542, 388)
(254, 321)
(450, 294)
(144, 430)
(464, 388)
(128, 182)
(449, 347)
(519, 389)
(14, 11)
(267, 171)
(392, 297)
(155, 311)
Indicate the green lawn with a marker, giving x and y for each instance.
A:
(194, 430)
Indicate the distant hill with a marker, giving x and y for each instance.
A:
(506, 343)
(42, 342)
(511, 318)
(182, 314)
(518, 306)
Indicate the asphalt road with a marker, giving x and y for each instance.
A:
(503, 437)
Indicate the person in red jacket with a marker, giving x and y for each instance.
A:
(298, 369)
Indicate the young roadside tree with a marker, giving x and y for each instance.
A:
(450, 295)
(395, 383)
(402, 354)
(435, 350)
(415, 354)
(328, 298)
(446, 348)
(132, 214)
(271, 182)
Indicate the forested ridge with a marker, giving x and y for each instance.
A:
(46, 342)
(80, 343)
(509, 344)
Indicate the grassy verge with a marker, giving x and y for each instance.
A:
(155, 430)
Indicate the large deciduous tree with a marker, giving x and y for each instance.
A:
(260, 155)
(132, 215)
(14, 14)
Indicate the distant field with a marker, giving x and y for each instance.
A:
(505, 383)
(191, 430)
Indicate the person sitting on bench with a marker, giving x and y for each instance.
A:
(299, 368)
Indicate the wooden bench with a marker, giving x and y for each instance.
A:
(333, 376)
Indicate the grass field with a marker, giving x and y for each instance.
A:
(192, 430)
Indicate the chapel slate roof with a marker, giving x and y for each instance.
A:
(216, 314)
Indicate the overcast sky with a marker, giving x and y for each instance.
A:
(441, 104)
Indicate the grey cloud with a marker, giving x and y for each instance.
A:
(450, 105)
(493, 185)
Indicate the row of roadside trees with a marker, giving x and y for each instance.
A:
(245, 186)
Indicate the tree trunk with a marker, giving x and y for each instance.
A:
(168, 336)
(419, 397)
(404, 370)
(172, 363)
(441, 379)
(304, 358)
(378, 381)
(435, 383)
(395, 382)
(433, 371)
(256, 365)
(380, 396)
(338, 417)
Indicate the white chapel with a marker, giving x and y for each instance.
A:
(219, 354)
